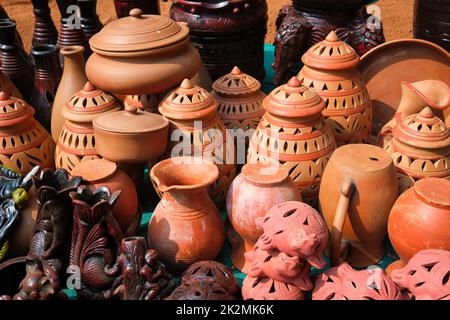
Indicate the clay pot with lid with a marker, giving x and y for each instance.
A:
(331, 70)
(294, 134)
(76, 142)
(141, 54)
(420, 219)
(258, 188)
(420, 148)
(25, 143)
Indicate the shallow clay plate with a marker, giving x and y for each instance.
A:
(410, 60)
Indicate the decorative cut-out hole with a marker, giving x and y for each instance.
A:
(419, 284)
(272, 287)
(412, 272)
(289, 213)
(268, 258)
(279, 232)
(446, 278)
(198, 293)
(374, 159)
(429, 266)
(257, 281)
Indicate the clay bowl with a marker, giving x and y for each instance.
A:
(411, 60)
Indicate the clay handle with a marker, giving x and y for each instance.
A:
(340, 215)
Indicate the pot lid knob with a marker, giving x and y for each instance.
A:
(332, 37)
(136, 13)
(131, 109)
(88, 87)
(4, 96)
(294, 82)
(427, 113)
(236, 71)
(186, 84)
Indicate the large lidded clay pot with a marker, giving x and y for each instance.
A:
(77, 142)
(196, 130)
(420, 148)
(420, 219)
(331, 70)
(358, 189)
(293, 133)
(186, 226)
(25, 143)
(258, 188)
(141, 54)
(101, 172)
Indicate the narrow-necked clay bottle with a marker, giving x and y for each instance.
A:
(89, 19)
(44, 29)
(73, 80)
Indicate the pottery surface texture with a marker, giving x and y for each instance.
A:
(141, 54)
(268, 289)
(186, 226)
(426, 275)
(25, 144)
(420, 219)
(76, 142)
(331, 70)
(196, 130)
(252, 193)
(431, 21)
(44, 28)
(294, 134)
(358, 190)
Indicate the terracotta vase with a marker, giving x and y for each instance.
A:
(90, 21)
(431, 21)
(101, 172)
(8, 86)
(72, 81)
(47, 75)
(419, 219)
(420, 148)
(76, 142)
(358, 189)
(331, 70)
(252, 193)
(186, 226)
(196, 130)
(426, 275)
(196, 289)
(123, 7)
(345, 283)
(44, 29)
(25, 144)
(294, 134)
(268, 289)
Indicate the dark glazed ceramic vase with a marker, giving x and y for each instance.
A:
(123, 7)
(44, 29)
(90, 21)
(431, 21)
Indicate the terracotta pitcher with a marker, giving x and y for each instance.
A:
(358, 189)
(186, 226)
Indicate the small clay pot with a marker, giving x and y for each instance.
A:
(268, 289)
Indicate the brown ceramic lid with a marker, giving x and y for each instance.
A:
(236, 83)
(331, 54)
(188, 102)
(264, 173)
(423, 130)
(13, 110)
(130, 121)
(434, 190)
(138, 33)
(88, 103)
(294, 100)
(94, 170)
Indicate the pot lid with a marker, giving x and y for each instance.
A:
(138, 33)
(188, 102)
(94, 170)
(236, 83)
(130, 121)
(13, 110)
(294, 100)
(422, 130)
(331, 54)
(88, 103)
(265, 173)
(434, 190)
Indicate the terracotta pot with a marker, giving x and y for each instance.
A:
(200, 289)
(268, 289)
(186, 226)
(419, 219)
(101, 172)
(426, 275)
(25, 142)
(72, 81)
(331, 70)
(196, 130)
(76, 142)
(141, 54)
(120, 136)
(431, 21)
(257, 189)
(358, 189)
(44, 29)
(294, 134)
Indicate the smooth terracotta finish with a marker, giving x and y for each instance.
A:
(426, 275)
(358, 189)
(186, 226)
(76, 142)
(130, 136)
(268, 289)
(257, 189)
(420, 219)
(25, 143)
(101, 172)
(141, 54)
(331, 70)
(72, 81)
(294, 134)
(200, 289)
(408, 60)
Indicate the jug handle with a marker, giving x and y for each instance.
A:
(340, 215)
